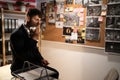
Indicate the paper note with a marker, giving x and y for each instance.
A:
(59, 24)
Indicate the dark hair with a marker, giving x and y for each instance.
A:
(33, 11)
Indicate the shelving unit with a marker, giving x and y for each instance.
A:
(112, 29)
(93, 25)
(7, 14)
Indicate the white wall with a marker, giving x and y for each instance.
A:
(79, 62)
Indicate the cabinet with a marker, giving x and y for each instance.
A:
(8, 22)
(92, 22)
(112, 29)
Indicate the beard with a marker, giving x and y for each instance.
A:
(32, 24)
(32, 27)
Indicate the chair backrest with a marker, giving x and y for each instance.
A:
(112, 75)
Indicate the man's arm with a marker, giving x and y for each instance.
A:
(22, 51)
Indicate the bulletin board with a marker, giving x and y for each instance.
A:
(52, 33)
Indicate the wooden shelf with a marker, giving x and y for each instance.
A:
(112, 40)
(13, 12)
(5, 36)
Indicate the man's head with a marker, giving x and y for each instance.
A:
(33, 17)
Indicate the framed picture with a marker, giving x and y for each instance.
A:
(93, 22)
(93, 34)
(93, 10)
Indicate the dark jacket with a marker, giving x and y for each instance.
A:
(24, 48)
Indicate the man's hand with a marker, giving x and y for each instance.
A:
(45, 62)
(35, 34)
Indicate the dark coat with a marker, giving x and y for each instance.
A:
(24, 48)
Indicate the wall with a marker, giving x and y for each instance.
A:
(79, 62)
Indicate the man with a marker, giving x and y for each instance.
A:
(24, 43)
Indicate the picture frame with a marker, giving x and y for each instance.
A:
(93, 22)
(93, 10)
(93, 34)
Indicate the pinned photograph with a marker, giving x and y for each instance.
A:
(67, 30)
(78, 2)
(57, 17)
(93, 10)
(59, 24)
(70, 19)
(51, 18)
(69, 1)
(74, 36)
(60, 6)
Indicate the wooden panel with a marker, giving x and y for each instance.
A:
(53, 34)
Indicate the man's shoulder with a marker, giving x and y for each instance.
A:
(18, 30)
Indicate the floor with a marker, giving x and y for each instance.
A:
(5, 73)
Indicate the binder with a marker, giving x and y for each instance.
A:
(16, 23)
(0, 29)
(13, 24)
(10, 26)
(5, 23)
